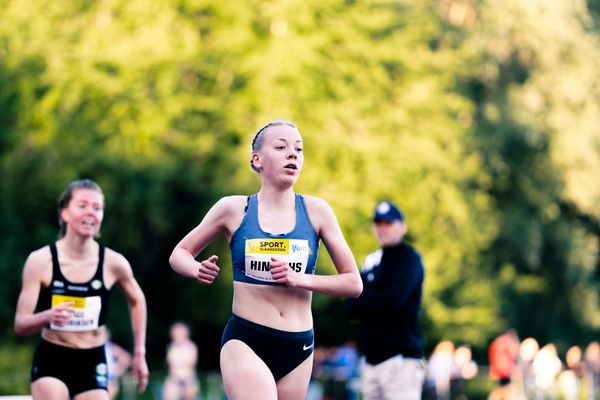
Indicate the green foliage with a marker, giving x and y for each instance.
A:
(15, 363)
(477, 118)
(535, 96)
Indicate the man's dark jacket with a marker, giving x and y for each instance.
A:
(389, 306)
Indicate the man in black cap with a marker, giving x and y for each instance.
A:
(388, 310)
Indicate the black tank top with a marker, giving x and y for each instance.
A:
(90, 298)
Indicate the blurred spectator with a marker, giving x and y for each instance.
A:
(344, 367)
(503, 358)
(576, 364)
(439, 371)
(568, 385)
(182, 356)
(592, 363)
(464, 368)
(315, 388)
(118, 360)
(527, 351)
(546, 367)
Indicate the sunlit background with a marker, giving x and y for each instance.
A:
(480, 119)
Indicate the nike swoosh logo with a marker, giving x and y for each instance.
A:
(305, 347)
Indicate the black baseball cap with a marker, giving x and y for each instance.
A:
(387, 211)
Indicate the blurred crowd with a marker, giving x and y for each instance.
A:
(526, 370)
(514, 370)
(336, 372)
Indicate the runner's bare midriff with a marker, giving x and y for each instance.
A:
(278, 307)
(76, 340)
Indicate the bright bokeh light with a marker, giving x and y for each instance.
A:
(529, 347)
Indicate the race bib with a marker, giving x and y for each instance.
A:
(259, 252)
(86, 316)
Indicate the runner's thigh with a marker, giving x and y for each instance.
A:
(245, 375)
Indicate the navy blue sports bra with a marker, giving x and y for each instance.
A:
(252, 248)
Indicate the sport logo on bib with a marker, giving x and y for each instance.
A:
(86, 316)
(259, 252)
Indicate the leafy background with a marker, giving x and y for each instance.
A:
(479, 118)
